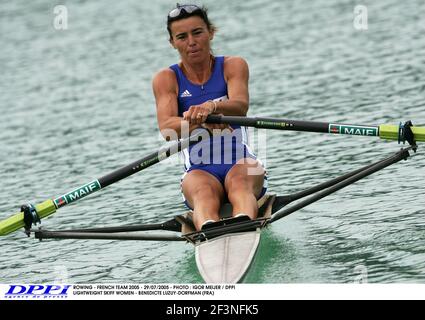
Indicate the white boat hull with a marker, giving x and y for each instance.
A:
(227, 258)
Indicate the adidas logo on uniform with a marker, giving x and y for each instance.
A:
(185, 94)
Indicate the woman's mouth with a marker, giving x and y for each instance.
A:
(194, 52)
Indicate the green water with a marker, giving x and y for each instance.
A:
(77, 103)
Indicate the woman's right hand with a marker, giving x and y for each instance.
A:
(197, 114)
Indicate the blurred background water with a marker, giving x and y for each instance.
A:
(76, 104)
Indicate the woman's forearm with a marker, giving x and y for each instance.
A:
(232, 107)
(175, 128)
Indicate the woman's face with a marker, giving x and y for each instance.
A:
(191, 38)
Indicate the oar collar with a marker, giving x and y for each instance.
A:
(30, 217)
(405, 133)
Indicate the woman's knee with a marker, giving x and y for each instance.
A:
(246, 184)
(205, 191)
(239, 182)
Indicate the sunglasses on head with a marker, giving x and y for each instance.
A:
(185, 8)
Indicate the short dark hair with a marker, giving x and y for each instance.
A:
(202, 13)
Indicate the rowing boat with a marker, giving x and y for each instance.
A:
(225, 250)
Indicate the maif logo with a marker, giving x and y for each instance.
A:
(18, 291)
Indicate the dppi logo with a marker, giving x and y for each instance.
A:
(37, 291)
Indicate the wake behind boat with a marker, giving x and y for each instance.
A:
(225, 250)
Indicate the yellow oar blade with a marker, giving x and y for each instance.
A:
(16, 221)
(390, 132)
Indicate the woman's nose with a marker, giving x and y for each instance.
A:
(191, 40)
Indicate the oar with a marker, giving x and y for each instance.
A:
(31, 214)
(401, 132)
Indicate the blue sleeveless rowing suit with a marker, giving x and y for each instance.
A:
(217, 154)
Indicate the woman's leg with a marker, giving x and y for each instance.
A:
(205, 194)
(244, 183)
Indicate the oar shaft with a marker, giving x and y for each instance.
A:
(122, 173)
(389, 132)
(270, 123)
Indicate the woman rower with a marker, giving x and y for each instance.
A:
(186, 93)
